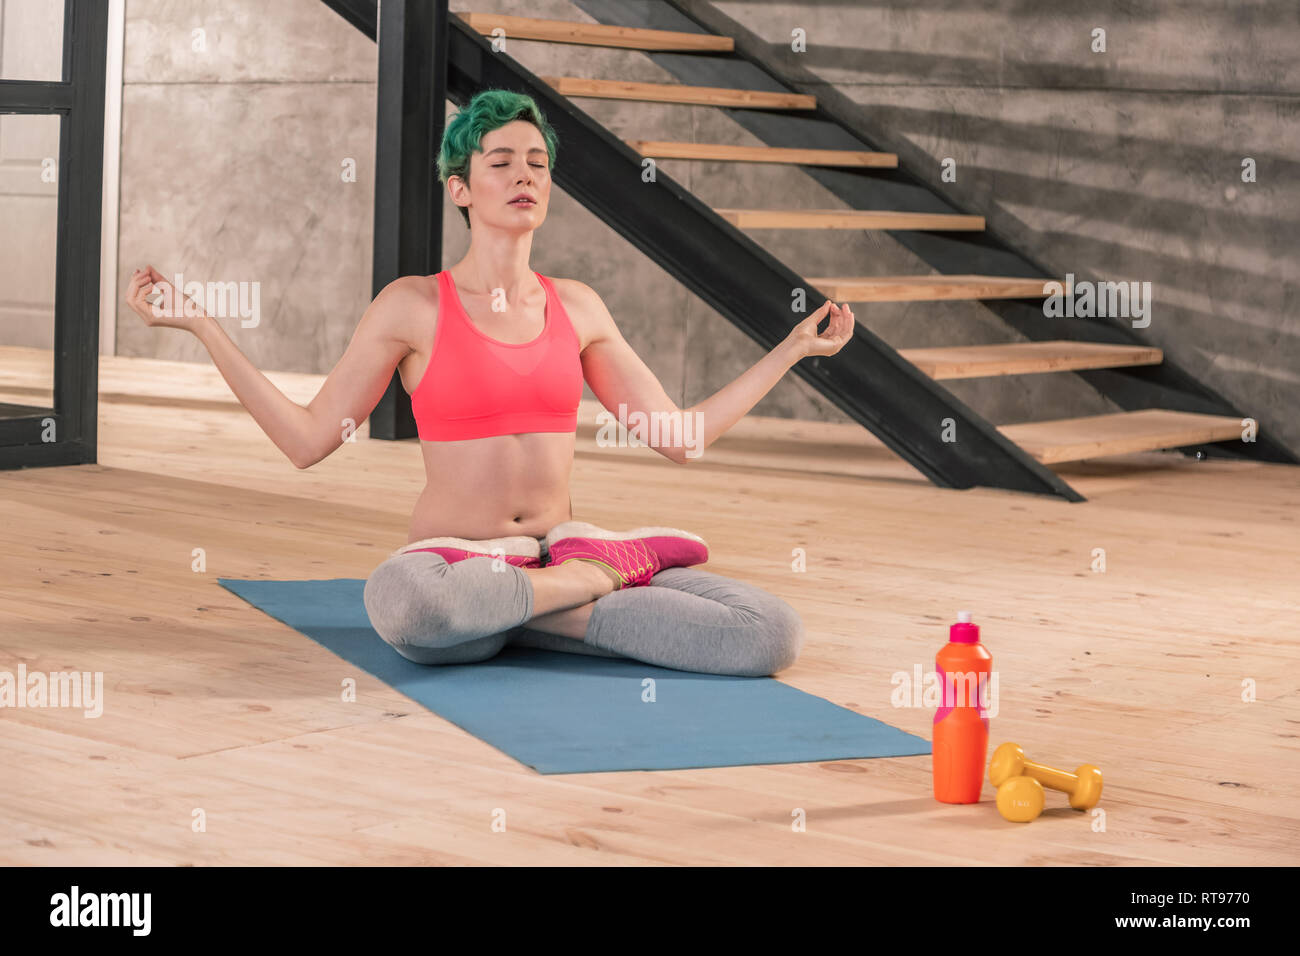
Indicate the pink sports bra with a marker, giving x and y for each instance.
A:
(475, 386)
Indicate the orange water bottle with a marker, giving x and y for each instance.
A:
(961, 724)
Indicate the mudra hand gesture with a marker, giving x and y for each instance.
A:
(838, 331)
(147, 288)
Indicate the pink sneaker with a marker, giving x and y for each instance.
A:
(634, 556)
(519, 550)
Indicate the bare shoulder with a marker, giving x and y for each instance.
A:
(406, 308)
(591, 319)
(579, 293)
(408, 291)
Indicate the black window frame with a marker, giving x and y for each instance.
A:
(78, 100)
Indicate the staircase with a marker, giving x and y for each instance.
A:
(894, 393)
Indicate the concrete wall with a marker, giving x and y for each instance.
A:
(239, 119)
(1116, 165)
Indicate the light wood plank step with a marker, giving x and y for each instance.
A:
(928, 288)
(847, 219)
(595, 34)
(1073, 439)
(676, 93)
(665, 149)
(1027, 358)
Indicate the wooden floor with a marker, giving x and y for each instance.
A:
(211, 704)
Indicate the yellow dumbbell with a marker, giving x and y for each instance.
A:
(1009, 763)
(1020, 799)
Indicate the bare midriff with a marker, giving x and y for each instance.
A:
(494, 487)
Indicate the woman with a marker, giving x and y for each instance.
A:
(494, 356)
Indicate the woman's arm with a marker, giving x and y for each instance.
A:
(350, 391)
(618, 376)
(729, 404)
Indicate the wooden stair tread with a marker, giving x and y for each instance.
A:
(1026, 358)
(847, 219)
(677, 93)
(928, 288)
(595, 34)
(667, 149)
(1073, 439)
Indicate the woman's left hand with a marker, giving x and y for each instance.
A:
(838, 330)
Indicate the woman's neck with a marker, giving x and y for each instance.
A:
(497, 262)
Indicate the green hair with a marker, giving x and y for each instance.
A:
(488, 110)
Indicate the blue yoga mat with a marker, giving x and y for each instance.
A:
(574, 713)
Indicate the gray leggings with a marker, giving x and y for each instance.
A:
(433, 612)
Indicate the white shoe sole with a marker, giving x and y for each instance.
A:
(518, 545)
(583, 529)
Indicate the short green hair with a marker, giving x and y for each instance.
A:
(488, 110)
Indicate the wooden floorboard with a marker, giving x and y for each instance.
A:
(212, 704)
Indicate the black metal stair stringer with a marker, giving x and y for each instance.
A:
(867, 379)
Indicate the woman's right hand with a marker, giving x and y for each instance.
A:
(146, 282)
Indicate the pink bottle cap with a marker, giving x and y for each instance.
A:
(964, 632)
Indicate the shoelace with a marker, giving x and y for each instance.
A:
(632, 551)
